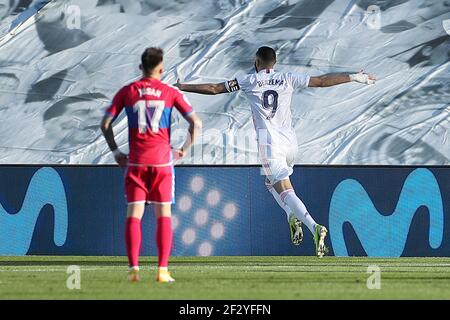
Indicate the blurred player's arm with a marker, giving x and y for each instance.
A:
(182, 104)
(195, 127)
(107, 130)
(204, 88)
(329, 80)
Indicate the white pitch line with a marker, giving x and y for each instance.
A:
(51, 270)
(316, 268)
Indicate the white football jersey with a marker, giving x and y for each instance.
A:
(270, 94)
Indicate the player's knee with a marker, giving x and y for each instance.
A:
(283, 185)
(135, 210)
(162, 210)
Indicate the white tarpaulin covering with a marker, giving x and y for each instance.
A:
(60, 68)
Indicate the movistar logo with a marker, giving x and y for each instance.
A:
(383, 236)
(16, 230)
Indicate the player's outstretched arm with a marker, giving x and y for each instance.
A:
(204, 88)
(106, 126)
(329, 80)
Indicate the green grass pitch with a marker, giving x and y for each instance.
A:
(34, 277)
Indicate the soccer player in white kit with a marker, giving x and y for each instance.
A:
(269, 93)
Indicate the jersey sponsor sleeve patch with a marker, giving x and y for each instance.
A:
(232, 85)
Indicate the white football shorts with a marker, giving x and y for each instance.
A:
(278, 161)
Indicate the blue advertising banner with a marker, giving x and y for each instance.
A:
(369, 211)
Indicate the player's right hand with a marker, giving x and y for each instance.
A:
(121, 158)
(178, 84)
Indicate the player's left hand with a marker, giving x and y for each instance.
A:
(121, 158)
(178, 154)
(363, 77)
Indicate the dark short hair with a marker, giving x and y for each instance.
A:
(266, 54)
(151, 58)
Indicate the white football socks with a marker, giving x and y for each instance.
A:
(277, 197)
(298, 208)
